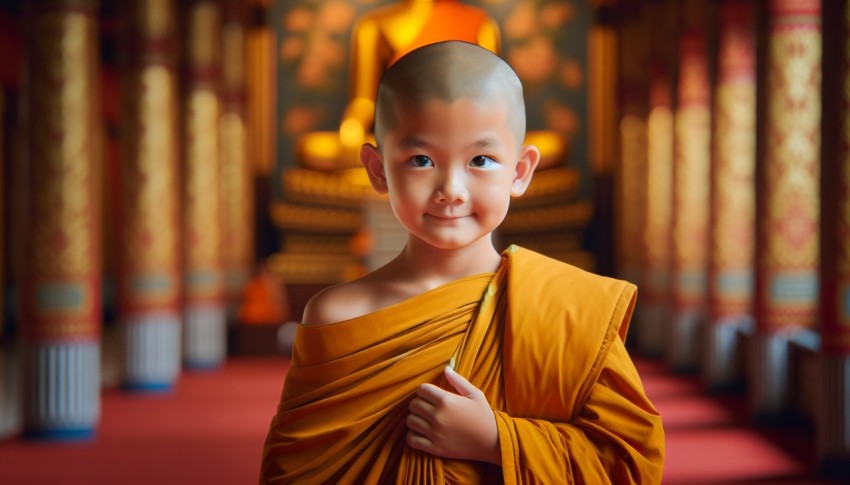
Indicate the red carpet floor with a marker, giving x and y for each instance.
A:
(210, 430)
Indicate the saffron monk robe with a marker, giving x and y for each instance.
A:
(454, 363)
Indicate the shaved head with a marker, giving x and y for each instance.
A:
(448, 71)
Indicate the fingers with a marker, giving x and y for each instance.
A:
(419, 435)
(422, 408)
(461, 385)
(419, 442)
(418, 424)
(432, 394)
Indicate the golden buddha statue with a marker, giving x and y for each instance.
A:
(326, 210)
(379, 38)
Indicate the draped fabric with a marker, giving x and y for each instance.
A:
(541, 339)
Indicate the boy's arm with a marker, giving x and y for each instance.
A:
(617, 437)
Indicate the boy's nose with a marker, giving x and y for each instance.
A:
(452, 189)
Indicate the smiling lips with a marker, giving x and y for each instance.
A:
(445, 218)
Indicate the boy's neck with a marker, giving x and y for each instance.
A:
(433, 266)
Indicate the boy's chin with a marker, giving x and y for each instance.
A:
(454, 244)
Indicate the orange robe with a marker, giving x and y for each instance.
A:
(544, 342)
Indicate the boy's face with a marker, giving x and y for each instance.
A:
(450, 169)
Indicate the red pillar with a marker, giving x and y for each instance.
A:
(149, 232)
(205, 330)
(692, 134)
(732, 223)
(61, 302)
(657, 236)
(631, 193)
(237, 181)
(788, 206)
(833, 412)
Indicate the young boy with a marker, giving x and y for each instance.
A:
(454, 363)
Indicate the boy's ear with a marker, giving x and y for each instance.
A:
(529, 157)
(370, 157)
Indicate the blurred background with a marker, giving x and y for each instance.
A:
(179, 177)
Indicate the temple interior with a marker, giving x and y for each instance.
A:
(178, 178)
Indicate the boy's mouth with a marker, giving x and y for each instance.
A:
(445, 218)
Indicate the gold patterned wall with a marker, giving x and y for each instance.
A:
(732, 231)
(789, 214)
(61, 289)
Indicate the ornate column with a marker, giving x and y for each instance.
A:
(7, 380)
(833, 413)
(788, 212)
(149, 240)
(15, 211)
(657, 236)
(732, 223)
(690, 191)
(630, 190)
(261, 114)
(237, 182)
(602, 75)
(204, 342)
(61, 303)
(3, 208)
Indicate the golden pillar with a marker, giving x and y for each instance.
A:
(236, 170)
(833, 420)
(692, 155)
(788, 214)
(657, 235)
(732, 223)
(149, 239)
(205, 331)
(261, 91)
(61, 302)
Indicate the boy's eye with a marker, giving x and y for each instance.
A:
(482, 161)
(421, 161)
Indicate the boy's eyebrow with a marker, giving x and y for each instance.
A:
(417, 142)
(486, 142)
(412, 142)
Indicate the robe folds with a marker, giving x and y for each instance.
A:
(543, 340)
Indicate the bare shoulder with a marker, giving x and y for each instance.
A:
(338, 303)
(370, 293)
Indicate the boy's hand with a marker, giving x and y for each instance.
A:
(460, 426)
